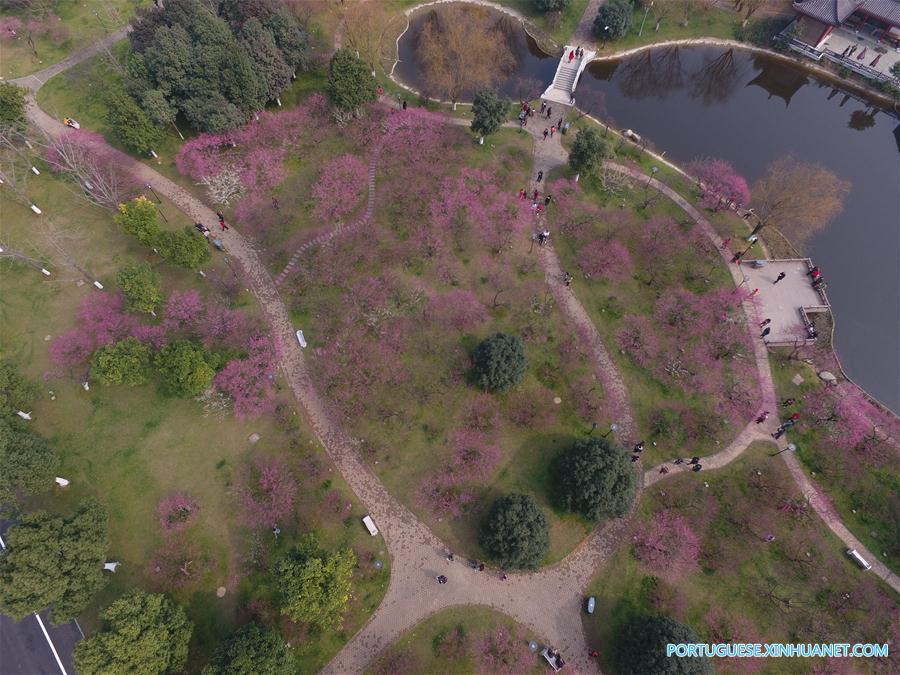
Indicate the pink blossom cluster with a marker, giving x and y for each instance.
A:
(10, 27)
(459, 309)
(667, 545)
(176, 512)
(249, 381)
(502, 652)
(266, 491)
(720, 184)
(604, 260)
(340, 188)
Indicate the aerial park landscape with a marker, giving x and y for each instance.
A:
(398, 337)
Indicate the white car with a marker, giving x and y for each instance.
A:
(301, 339)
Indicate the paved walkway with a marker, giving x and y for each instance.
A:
(549, 601)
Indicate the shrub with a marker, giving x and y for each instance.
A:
(640, 648)
(500, 362)
(176, 512)
(489, 110)
(616, 14)
(266, 491)
(588, 151)
(16, 392)
(515, 532)
(123, 362)
(251, 649)
(596, 479)
(184, 248)
(184, 369)
(12, 105)
(138, 218)
(551, 5)
(140, 285)
(27, 463)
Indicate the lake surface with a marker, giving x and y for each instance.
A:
(751, 110)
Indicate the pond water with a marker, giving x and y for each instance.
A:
(750, 110)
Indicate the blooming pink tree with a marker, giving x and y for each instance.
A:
(340, 188)
(503, 652)
(604, 260)
(667, 545)
(250, 381)
(176, 512)
(266, 491)
(459, 308)
(720, 183)
(10, 27)
(102, 320)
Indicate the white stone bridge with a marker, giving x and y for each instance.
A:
(562, 89)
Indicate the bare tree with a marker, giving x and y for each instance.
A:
(93, 167)
(801, 197)
(463, 49)
(365, 30)
(225, 187)
(750, 7)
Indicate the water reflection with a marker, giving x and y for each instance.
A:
(752, 109)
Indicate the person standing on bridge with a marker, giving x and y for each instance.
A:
(571, 55)
(543, 106)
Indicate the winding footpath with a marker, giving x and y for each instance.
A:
(549, 602)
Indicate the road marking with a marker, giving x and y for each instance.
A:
(59, 662)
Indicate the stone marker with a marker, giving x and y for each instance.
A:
(220, 591)
(797, 379)
(825, 376)
(253, 437)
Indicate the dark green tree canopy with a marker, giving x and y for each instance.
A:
(616, 14)
(588, 151)
(515, 533)
(640, 648)
(12, 105)
(16, 392)
(27, 462)
(130, 124)
(141, 633)
(184, 248)
(314, 584)
(185, 368)
(124, 362)
(489, 110)
(140, 285)
(268, 60)
(350, 82)
(551, 5)
(595, 478)
(499, 362)
(56, 562)
(252, 649)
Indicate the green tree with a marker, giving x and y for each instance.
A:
(596, 479)
(158, 109)
(640, 648)
(12, 105)
(252, 649)
(140, 285)
(144, 633)
(16, 392)
(131, 125)
(267, 58)
(138, 218)
(515, 532)
(500, 362)
(350, 82)
(52, 561)
(185, 248)
(184, 368)
(613, 19)
(895, 69)
(314, 584)
(123, 362)
(27, 462)
(489, 110)
(551, 5)
(588, 151)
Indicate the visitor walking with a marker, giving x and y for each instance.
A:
(567, 279)
(754, 292)
(765, 333)
(788, 402)
(571, 55)
(441, 579)
(552, 131)
(535, 195)
(546, 133)
(547, 200)
(697, 467)
(543, 106)
(559, 124)
(794, 417)
(763, 416)
(781, 275)
(764, 323)
(549, 112)
(540, 175)
(275, 203)
(737, 257)
(726, 243)
(543, 237)
(221, 221)
(663, 470)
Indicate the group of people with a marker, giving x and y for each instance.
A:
(576, 53)
(784, 426)
(818, 281)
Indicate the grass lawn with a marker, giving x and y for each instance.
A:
(613, 301)
(862, 484)
(82, 24)
(715, 568)
(710, 22)
(130, 447)
(449, 642)
(407, 425)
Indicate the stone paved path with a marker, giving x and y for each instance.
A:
(549, 602)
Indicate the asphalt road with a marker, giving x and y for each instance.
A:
(26, 650)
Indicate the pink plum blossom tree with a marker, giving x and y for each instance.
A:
(720, 183)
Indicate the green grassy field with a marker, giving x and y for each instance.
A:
(83, 22)
(740, 586)
(132, 446)
(426, 648)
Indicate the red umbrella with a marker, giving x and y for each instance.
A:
(875, 60)
(862, 54)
